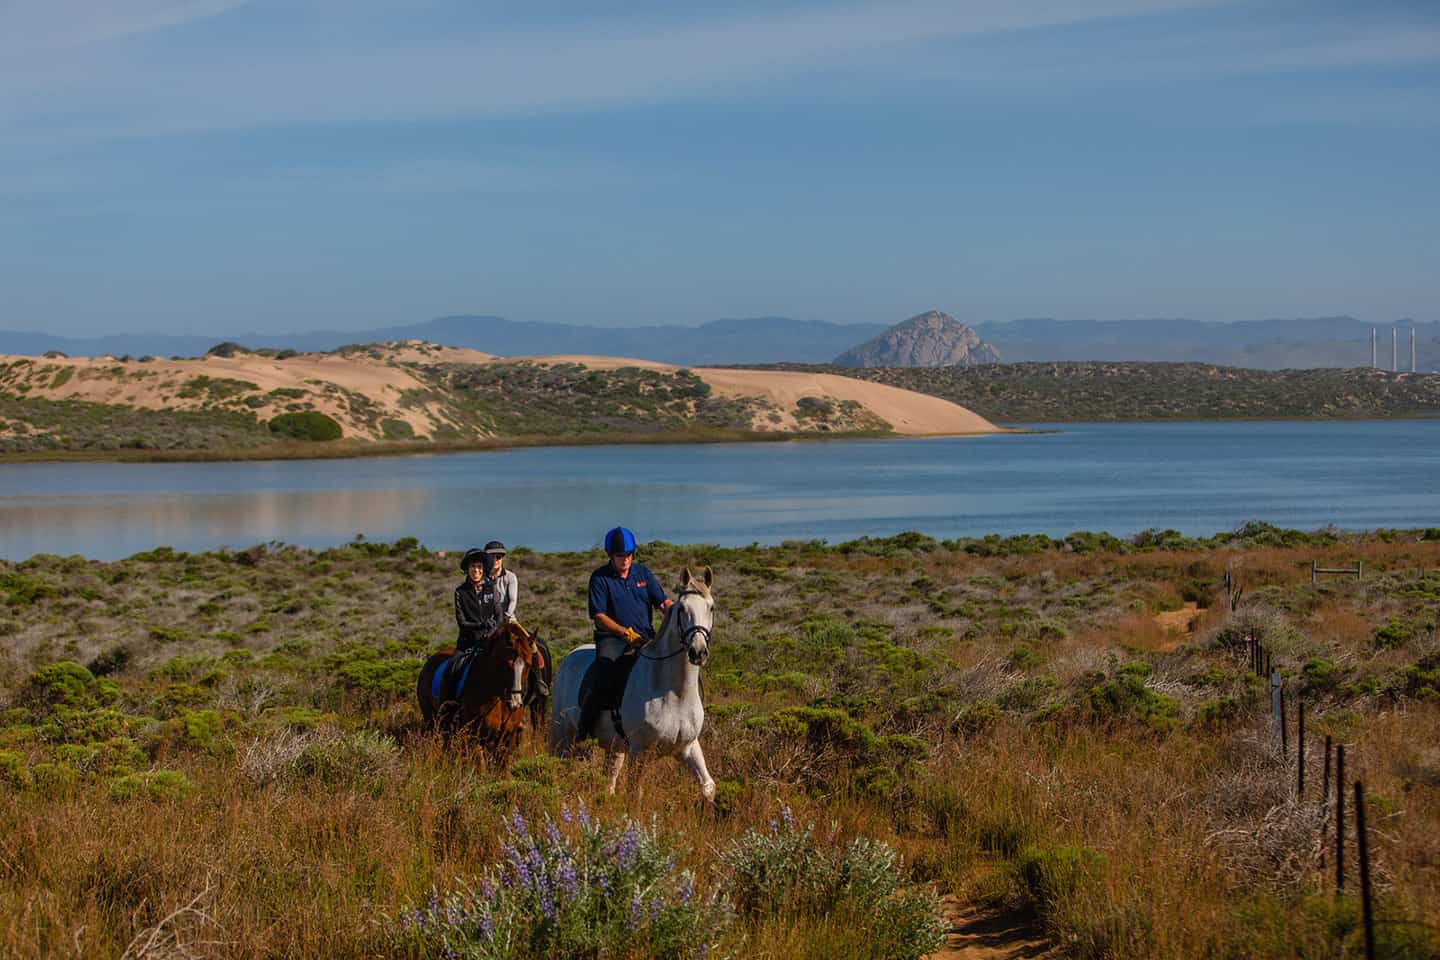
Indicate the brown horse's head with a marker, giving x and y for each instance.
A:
(518, 648)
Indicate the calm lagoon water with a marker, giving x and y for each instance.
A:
(1198, 478)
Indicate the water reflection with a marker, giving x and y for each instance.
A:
(125, 524)
(1197, 478)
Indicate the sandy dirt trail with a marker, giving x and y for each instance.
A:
(985, 934)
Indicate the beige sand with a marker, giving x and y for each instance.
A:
(380, 374)
(326, 378)
(907, 412)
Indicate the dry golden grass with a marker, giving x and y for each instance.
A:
(1133, 833)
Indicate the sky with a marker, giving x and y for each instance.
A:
(215, 166)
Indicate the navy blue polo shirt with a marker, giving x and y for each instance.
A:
(629, 601)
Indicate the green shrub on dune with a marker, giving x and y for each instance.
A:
(309, 425)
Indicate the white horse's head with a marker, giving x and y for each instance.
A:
(695, 614)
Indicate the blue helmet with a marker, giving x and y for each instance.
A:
(620, 540)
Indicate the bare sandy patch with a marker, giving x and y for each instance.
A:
(324, 381)
(907, 412)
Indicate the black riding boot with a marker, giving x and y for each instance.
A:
(589, 713)
(536, 687)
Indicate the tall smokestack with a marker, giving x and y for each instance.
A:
(1412, 349)
(1372, 348)
(1394, 355)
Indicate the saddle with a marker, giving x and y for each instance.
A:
(450, 676)
(606, 685)
(449, 679)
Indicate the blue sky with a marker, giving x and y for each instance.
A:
(226, 165)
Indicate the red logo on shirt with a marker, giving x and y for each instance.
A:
(641, 583)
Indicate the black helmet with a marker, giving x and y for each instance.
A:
(495, 548)
(473, 555)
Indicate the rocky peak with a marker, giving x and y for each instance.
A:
(932, 339)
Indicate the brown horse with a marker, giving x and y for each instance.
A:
(491, 707)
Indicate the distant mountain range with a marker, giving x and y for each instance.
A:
(1293, 343)
(1266, 344)
(753, 340)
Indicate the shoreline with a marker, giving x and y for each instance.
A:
(359, 449)
(1252, 534)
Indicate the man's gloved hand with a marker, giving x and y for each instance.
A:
(632, 636)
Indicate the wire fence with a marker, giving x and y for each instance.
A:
(1332, 801)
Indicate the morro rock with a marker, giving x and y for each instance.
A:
(929, 340)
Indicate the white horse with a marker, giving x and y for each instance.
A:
(661, 709)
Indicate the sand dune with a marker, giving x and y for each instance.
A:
(365, 385)
(907, 412)
(326, 382)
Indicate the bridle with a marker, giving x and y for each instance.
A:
(687, 638)
(529, 661)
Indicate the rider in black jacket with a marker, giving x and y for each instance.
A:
(485, 599)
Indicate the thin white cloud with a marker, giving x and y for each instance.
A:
(587, 65)
(426, 175)
(30, 27)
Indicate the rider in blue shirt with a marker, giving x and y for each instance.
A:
(623, 595)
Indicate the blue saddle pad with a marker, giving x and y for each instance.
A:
(437, 682)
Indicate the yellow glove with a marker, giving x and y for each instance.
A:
(632, 636)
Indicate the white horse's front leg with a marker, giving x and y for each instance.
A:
(614, 763)
(694, 758)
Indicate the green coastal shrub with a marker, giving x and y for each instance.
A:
(12, 770)
(789, 871)
(1394, 632)
(1125, 696)
(151, 785)
(1422, 679)
(306, 425)
(1049, 875)
(393, 429)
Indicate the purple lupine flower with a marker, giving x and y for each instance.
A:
(552, 832)
(487, 889)
(517, 823)
(604, 883)
(565, 812)
(584, 816)
(487, 928)
(509, 852)
(656, 906)
(547, 904)
(786, 817)
(636, 908)
(434, 901)
(774, 826)
(628, 846)
(522, 874)
(569, 883)
(687, 888)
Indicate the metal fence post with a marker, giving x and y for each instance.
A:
(1325, 803)
(1364, 851)
(1277, 713)
(1340, 818)
(1300, 747)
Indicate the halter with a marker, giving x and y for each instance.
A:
(687, 639)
